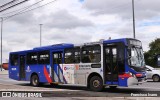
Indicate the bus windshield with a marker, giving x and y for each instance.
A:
(135, 53)
(136, 57)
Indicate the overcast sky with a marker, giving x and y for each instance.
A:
(79, 21)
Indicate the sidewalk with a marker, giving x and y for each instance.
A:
(3, 72)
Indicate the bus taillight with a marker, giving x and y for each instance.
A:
(139, 75)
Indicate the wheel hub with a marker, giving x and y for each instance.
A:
(155, 78)
(96, 83)
(35, 81)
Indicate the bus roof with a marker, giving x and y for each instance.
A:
(50, 47)
(124, 40)
(116, 40)
(56, 46)
(69, 45)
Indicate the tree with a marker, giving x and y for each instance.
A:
(151, 55)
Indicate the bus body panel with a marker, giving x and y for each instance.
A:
(78, 73)
(39, 70)
(14, 72)
(14, 69)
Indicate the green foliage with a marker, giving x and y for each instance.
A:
(151, 55)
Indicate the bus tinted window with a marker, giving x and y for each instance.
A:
(121, 57)
(69, 57)
(14, 59)
(43, 57)
(91, 54)
(57, 58)
(72, 55)
(77, 55)
(32, 58)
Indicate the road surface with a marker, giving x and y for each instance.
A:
(7, 84)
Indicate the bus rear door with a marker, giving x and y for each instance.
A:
(22, 67)
(57, 66)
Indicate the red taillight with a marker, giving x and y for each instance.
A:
(139, 75)
(125, 75)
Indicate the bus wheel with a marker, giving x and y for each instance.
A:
(34, 81)
(96, 83)
(156, 78)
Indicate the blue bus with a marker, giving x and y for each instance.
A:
(117, 62)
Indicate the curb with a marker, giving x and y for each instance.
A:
(4, 72)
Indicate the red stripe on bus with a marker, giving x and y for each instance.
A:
(47, 75)
(126, 75)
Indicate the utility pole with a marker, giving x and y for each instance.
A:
(1, 40)
(5, 7)
(134, 35)
(40, 34)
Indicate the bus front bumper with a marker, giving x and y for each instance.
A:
(135, 81)
(142, 80)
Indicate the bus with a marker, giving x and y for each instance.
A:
(112, 63)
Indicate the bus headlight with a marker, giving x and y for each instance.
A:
(131, 74)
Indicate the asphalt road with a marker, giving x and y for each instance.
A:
(46, 90)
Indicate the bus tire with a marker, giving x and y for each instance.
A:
(96, 83)
(35, 80)
(156, 78)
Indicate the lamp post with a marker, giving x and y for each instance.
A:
(134, 35)
(40, 34)
(1, 40)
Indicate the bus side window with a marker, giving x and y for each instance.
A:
(85, 56)
(44, 57)
(91, 54)
(57, 58)
(72, 55)
(69, 57)
(32, 58)
(14, 59)
(77, 55)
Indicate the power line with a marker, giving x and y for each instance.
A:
(11, 4)
(23, 9)
(29, 10)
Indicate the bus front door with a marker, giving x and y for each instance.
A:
(22, 67)
(57, 68)
(110, 64)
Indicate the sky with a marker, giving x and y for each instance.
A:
(79, 21)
